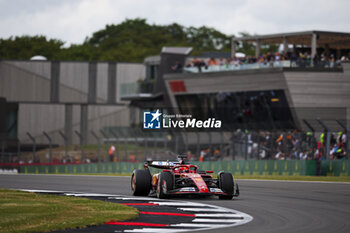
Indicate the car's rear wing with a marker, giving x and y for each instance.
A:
(162, 164)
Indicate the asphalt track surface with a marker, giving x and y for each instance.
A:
(276, 206)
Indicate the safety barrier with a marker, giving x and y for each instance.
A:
(263, 167)
(92, 168)
(335, 168)
(236, 167)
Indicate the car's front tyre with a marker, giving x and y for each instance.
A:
(226, 184)
(165, 183)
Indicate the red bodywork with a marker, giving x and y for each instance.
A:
(190, 171)
(187, 171)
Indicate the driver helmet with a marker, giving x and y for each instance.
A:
(184, 169)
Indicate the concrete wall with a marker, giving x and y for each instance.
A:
(102, 82)
(36, 118)
(28, 83)
(318, 89)
(25, 81)
(129, 73)
(320, 94)
(74, 79)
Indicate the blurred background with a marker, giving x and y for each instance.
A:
(76, 77)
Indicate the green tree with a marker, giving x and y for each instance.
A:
(77, 52)
(25, 47)
(208, 39)
(130, 41)
(133, 40)
(249, 48)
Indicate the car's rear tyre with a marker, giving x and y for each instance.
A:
(226, 184)
(165, 183)
(141, 182)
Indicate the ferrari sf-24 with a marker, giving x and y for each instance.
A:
(179, 178)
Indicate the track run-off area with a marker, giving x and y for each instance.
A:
(275, 206)
(167, 216)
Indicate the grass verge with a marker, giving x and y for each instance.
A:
(31, 212)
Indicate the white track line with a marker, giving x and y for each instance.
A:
(178, 203)
(219, 215)
(156, 230)
(41, 191)
(89, 195)
(203, 210)
(67, 193)
(196, 225)
(215, 220)
(135, 198)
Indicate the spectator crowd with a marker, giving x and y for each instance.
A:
(297, 59)
(293, 145)
(296, 145)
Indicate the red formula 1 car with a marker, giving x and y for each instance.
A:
(178, 178)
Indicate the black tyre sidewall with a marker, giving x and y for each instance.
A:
(168, 178)
(226, 184)
(142, 184)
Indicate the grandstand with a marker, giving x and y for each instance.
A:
(297, 86)
(307, 91)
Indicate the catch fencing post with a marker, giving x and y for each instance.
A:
(309, 125)
(313, 134)
(81, 144)
(328, 135)
(155, 144)
(272, 148)
(284, 143)
(136, 146)
(98, 145)
(105, 136)
(126, 145)
(259, 141)
(65, 143)
(186, 141)
(346, 132)
(2, 150)
(165, 141)
(210, 143)
(176, 144)
(50, 145)
(233, 146)
(198, 144)
(246, 146)
(116, 143)
(18, 149)
(145, 145)
(34, 146)
(222, 154)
